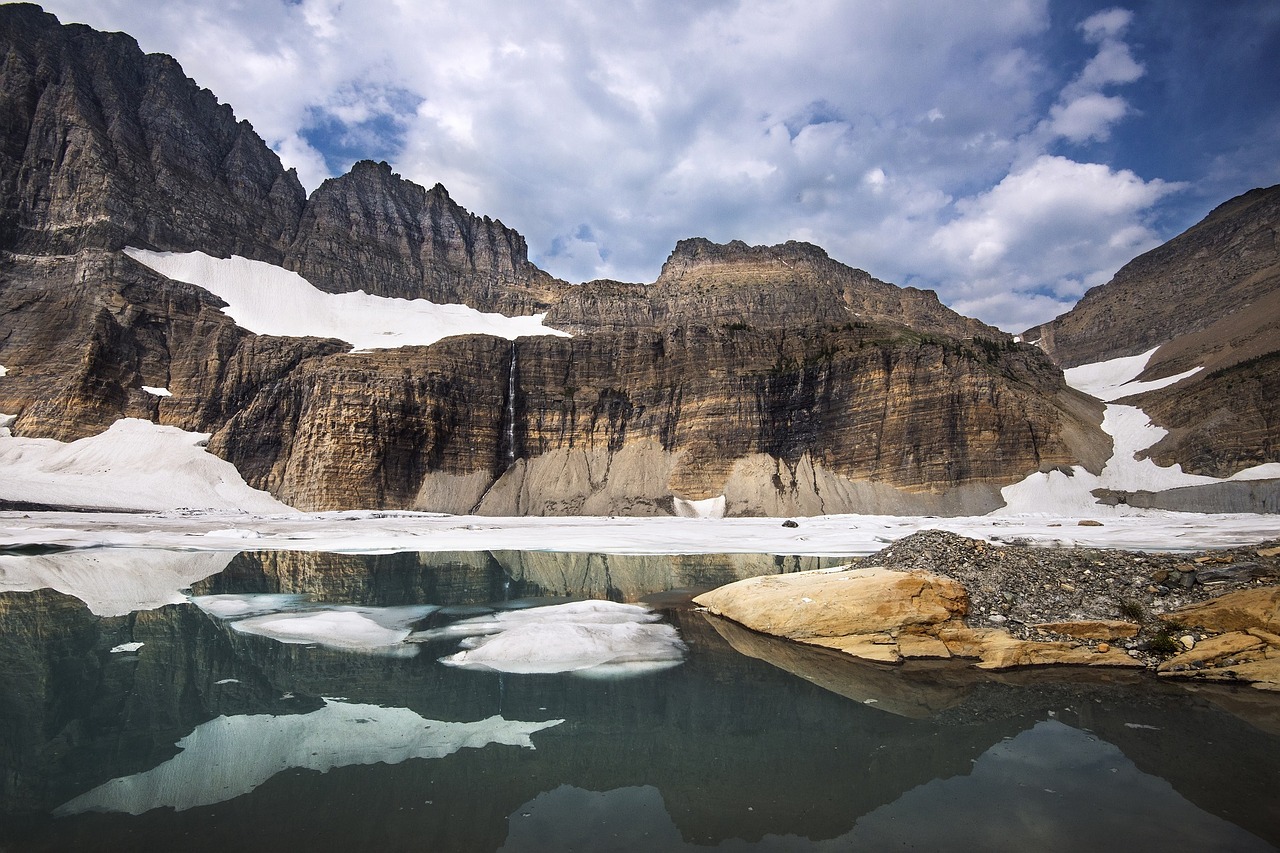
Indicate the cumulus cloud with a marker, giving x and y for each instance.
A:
(919, 141)
(1045, 234)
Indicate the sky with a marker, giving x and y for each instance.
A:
(1008, 154)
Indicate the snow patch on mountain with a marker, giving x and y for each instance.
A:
(1070, 492)
(269, 300)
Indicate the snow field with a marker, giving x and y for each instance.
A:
(270, 300)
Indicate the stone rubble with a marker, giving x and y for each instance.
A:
(1151, 605)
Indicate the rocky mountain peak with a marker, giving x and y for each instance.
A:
(764, 286)
(373, 230)
(105, 146)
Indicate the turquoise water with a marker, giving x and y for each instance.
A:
(214, 736)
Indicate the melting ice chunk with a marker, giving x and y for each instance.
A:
(371, 630)
(597, 638)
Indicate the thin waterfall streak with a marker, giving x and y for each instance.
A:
(511, 408)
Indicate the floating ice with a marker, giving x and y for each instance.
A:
(369, 630)
(270, 300)
(230, 756)
(600, 638)
(242, 605)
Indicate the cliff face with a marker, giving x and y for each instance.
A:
(772, 375)
(625, 422)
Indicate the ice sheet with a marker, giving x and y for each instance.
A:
(270, 300)
(230, 756)
(374, 532)
(134, 464)
(1115, 378)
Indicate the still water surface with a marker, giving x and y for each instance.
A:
(281, 708)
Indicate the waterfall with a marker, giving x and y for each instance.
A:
(511, 408)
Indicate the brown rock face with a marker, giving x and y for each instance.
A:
(623, 422)
(84, 333)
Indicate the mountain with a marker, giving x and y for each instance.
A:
(745, 379)
(1208, 301)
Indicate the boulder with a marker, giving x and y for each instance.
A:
(877, 614)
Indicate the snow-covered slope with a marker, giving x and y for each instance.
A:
(135, 464)
(1132, 432)
(270, 300)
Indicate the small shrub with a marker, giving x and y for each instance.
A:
(1132, 610)
(1163, 644)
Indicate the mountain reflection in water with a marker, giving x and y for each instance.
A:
(749, 743)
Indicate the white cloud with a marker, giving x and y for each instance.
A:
(1048, 231)
(1107, 24)
(1087, 117)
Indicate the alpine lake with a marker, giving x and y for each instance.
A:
(317, 701)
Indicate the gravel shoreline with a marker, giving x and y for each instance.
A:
(1017, 587)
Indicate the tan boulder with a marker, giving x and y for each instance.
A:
(880, 615)
(996, 648)
(1092, 629)
(1246, 608)
(824, 604)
